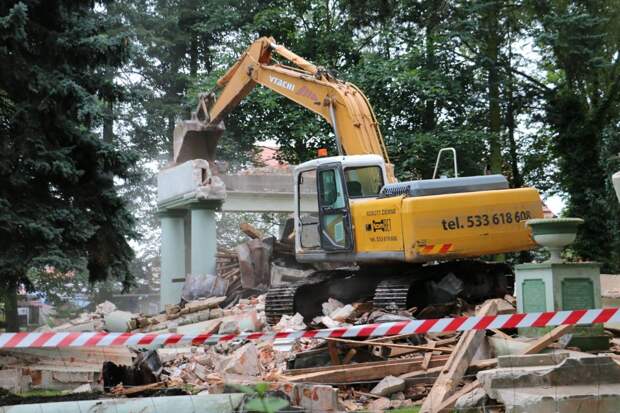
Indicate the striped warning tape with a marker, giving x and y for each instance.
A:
(440, 325)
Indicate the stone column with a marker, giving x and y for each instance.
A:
(173, 269)
(204, 240)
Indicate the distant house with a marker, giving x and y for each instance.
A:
(32, 312)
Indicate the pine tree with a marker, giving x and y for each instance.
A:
(58, 201)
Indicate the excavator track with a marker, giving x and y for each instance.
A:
(473, 281)
(391, 294)
(280, 300)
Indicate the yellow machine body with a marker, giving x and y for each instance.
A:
(440, 227)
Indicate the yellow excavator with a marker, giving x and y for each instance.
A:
(406, 244)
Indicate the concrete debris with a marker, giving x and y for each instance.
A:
(433, 370)
(118, 321)
(291, 323)
(281, 274)
(380, 405)
(329, 322)
(244, 361)
(105, 307)
(84, 388)
(472, 402)
(198, 286)
(246, 322)
(342, 314)
(330, 306)
(565, 387)
(208, 403)
(388, 386)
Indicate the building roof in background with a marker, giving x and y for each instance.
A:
(268, 156)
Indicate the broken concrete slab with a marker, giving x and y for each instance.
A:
(244, 361)
(281, 274)
(310, 397)
(380, 405)
(14, 381)
(472, 402)
(317, 398)
(388, 386)
(118, 321)
(189, 180)
(203, 403)
(255, 262)
(566, 387)
(84, 388)
(533, 360)
(290, 323)
(330, 306)
(343, 313)
(245, 322)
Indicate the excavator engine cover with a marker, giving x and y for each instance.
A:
(194, 139)
(425, 187)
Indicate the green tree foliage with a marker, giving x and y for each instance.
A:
(581, 40)
(58, 203)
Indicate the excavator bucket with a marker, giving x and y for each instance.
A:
(195, 139)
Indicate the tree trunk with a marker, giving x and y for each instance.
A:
(10, 308)
(517, 179)
(108, 123)
(491, 54)
(429, 119)
(170, 134)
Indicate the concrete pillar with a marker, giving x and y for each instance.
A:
(173, 269)
(203, 240)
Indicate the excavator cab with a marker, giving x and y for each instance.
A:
(324, 191)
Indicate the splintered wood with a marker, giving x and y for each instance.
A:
(250, 231)
(457, 364)
(227, 264)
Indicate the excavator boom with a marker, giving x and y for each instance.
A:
(341, 104)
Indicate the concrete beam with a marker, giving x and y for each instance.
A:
(187, 183)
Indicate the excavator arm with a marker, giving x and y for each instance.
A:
(341, 104)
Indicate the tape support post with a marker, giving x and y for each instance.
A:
(439, 325)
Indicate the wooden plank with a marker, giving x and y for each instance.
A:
(536, 347)
(250, 230)
(333, 352)
(457, 364)
(544, 341)
(355, 343)
(119, 390)
(428, 355)
(353, 373)
(296, 372)
(350, 354)
(474, 367)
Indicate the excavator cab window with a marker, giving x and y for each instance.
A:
(363, 181)
(334, 216)
(309, 210)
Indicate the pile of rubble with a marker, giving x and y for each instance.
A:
(436, 372)
(469, 371)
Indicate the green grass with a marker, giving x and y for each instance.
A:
(41, 393)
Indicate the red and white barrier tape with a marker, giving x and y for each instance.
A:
(440, 325)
